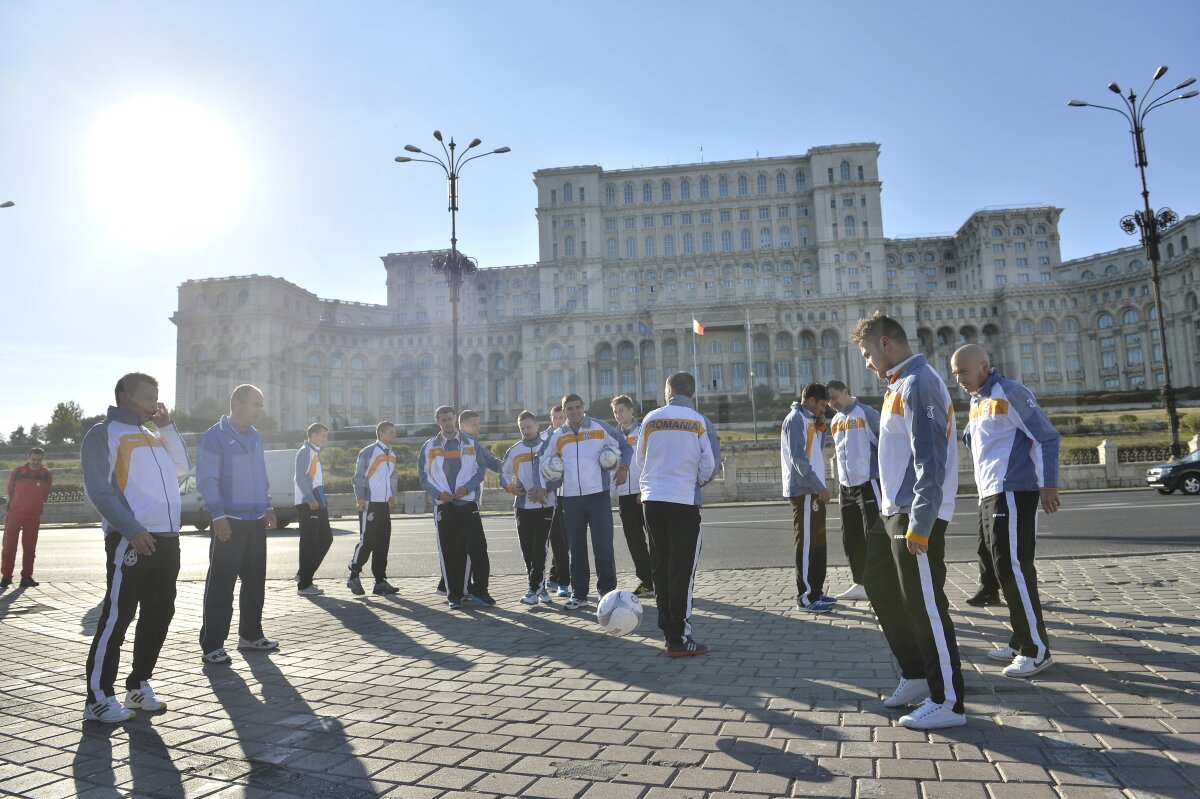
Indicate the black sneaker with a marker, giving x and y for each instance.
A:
(484, 599)
(984, 597)
(29, 582)
(355, 585)
(5, 583)
(384, 588)
(686, 648)
(643, 591)
(455, 604)
(441, 587)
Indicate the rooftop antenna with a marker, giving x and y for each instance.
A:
(702, 153)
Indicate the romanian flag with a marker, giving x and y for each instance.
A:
(697, 328)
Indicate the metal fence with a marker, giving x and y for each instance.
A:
(1088, 456)
(1143, 454)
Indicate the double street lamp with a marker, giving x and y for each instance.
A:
(1146, 221)
(7, 204)
(454, 266)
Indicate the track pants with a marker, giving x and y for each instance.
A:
(907, 593)
(315, 539)
(675, 543)
(24, 528)
(560, 567)
(860, 512)
(533, 530)
(145, 581)
(462, 549)
(374, 540)
(633, 523)
(808, 521)
(988, 581)
(244, 557)
(1008, 523)
(594, 511)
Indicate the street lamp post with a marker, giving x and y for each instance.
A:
(1146, 221)
(7, 204)
(455, 266)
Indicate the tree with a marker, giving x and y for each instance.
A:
(18, 436)
(64, 423)
(201, 417)
(37, 434)
(88, 422)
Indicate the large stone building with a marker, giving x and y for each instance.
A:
(776, 257)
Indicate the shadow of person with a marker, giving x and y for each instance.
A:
(151, 767)
(286, 746)
(87, 623)
(768, 760)
(369, 621)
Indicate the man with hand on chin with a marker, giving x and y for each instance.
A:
(130, 477)
(231, 477)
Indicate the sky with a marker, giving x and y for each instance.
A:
(149, 143)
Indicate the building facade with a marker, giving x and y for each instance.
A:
(776, 257)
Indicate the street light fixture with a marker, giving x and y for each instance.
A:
(454, 265)
(7, 204)
(1146, 221)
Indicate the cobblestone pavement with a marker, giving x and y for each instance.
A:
(401, 697)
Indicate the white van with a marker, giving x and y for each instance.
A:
(281, 476)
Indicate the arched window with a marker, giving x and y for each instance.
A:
(761, 185)
(243, 298)
(800, 179)
(568, 193)
(689, 247)
(849, 227)
(200, 355)
(1048, 327)
(626, 352)
(743, 186)
(555, 353)
(1088, 274)
(722, 186)
(703, 188)
(628, 194)
(335, 362)
(1070, 325)
(726, 241)
(605, 353)
(670, 349)
(357, 363)
(764, 238)
(1018, 231)
(828, 340)
(1135, 265)
(802, 235)
(1130, 317)
(631, 247)
(665, 191)
(1040, 230)
(1111, 269)
(714, 347)
(736, 346)
(610, 195)
(1170, 251)
(244, 353)
(647, 192)
(611, 249)
(785, 236)
(668, 244)
(1104, 321)
(1183, 244)
(649, 246)
(569, 246)
(781, 183)
(845, 170)
(1025, 327)
(685, 189)
(997, 233)
(745, 238)
(425, 361)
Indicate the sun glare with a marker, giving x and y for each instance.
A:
(163, 172)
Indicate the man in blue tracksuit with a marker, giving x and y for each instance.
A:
(231, 477)
(906, 567)
(584, 492)
(802, 456)
(1015, 452)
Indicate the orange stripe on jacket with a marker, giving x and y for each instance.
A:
(125, 448)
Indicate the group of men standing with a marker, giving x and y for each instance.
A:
(898, 475)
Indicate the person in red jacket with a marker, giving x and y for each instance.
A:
(28, 487)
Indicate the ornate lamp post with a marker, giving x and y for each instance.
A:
(455, 266)
(1146, 221)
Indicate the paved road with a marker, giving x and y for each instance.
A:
(735, 537)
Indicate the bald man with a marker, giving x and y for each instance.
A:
(1015, 452)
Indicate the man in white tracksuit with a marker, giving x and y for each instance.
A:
(677, 453)
(629, 502)
(1015, 451)
(855, 429)
(584, 493)
(802, 459)
(376, 495)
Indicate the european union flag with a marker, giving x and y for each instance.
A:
(644, 329)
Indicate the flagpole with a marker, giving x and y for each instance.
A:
(638, 382)
(750, 372)
(695, 366)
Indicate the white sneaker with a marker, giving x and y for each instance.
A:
(530, 598)
(576, 604)
(143, 698)
(1023, 666)
(108, 710)
(544, 595)
(312, 590)
(1004, 654)
(932, 716)
(908, 692)
(263, 644)
(564, 591)
(855, 593)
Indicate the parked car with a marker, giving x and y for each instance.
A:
(281, 475)
(1182, 475)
